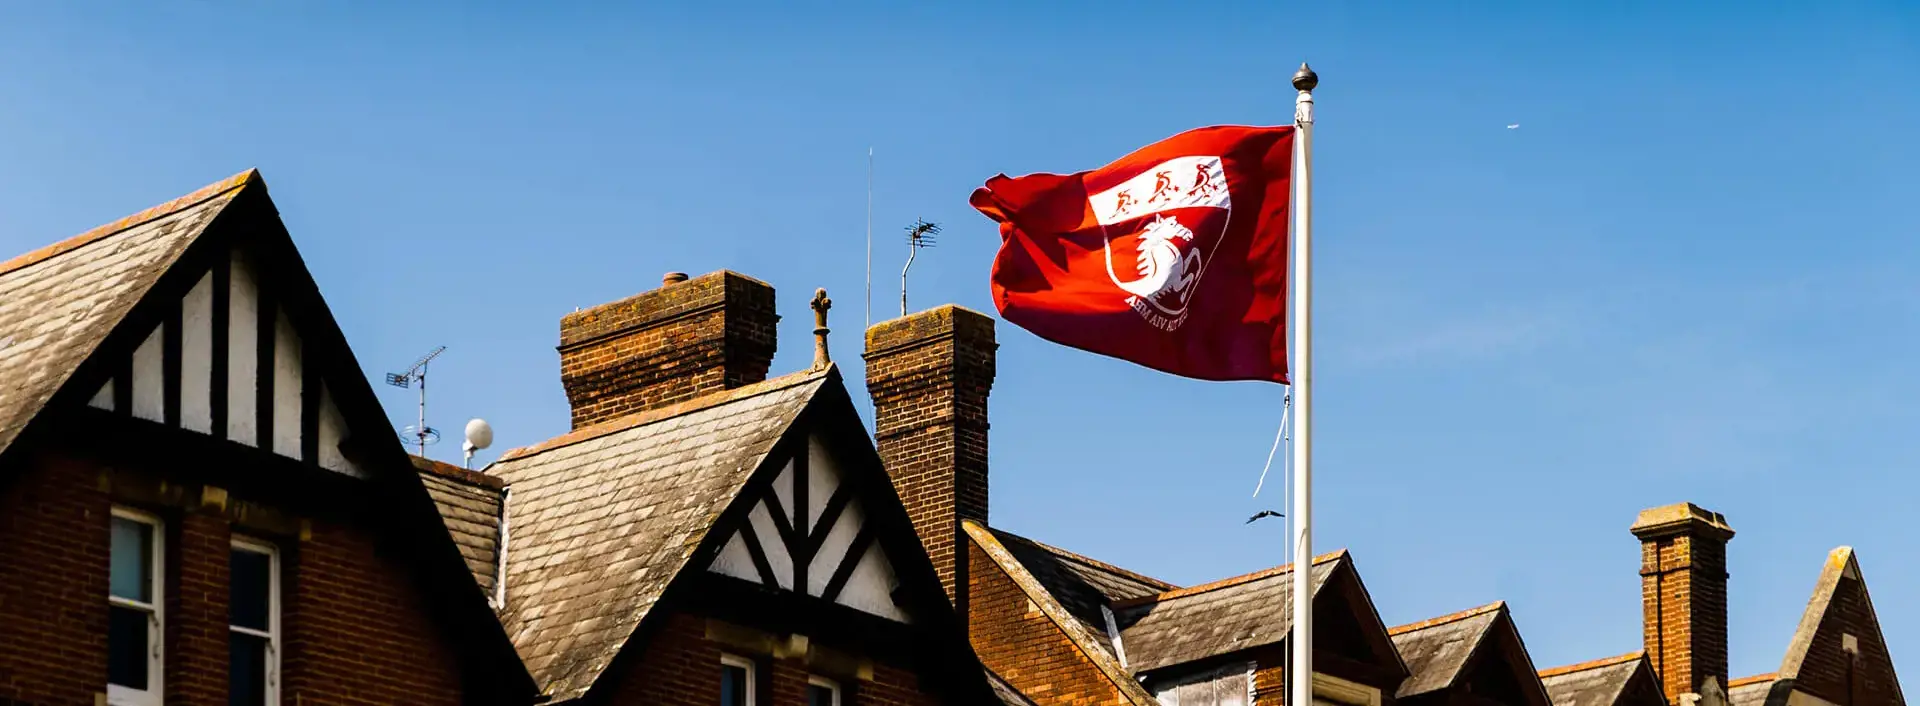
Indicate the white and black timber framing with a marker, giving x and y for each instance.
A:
(227, 360)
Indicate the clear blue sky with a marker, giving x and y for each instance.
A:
(1691, 274)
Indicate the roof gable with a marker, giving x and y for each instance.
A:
(604, 518)
(1250, 611)
(1622, 680)
(63, 300)
(1478, 649)
(807, 531)
(133, 302)
(1839, 626)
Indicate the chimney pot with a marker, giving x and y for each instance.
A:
(673, 278)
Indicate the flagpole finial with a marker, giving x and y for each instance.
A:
(1305, 79)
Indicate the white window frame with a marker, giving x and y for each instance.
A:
(273, 611)
(830, 684)
(728, 660)
(118, 695)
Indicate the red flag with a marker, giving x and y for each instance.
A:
(1173, 257)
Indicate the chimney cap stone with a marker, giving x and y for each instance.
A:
(1681, 518)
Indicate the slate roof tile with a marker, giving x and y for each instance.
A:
(605, 517)
(59, 302)
(1435, 650)
(1595, 683)
(1208, 620)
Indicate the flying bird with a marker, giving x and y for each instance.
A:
(1514, 126)
(1263, 514)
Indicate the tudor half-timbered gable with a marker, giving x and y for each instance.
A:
(200, 501)
(705, 535)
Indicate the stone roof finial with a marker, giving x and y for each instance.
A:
(820, 306)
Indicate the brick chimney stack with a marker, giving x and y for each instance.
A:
(1683, 595)
(929, 375)
(688, 338)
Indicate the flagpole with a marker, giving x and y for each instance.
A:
(1299, 675)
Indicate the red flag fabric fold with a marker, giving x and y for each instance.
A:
(1173, 257)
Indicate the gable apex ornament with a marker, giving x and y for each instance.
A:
(820, 304)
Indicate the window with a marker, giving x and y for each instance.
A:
(253, 617)
(736, 681)
(135, 618)
(821, 692)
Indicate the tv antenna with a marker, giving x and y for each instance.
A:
(919, 235)
(421, 434)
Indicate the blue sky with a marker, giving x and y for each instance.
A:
(1691, 274)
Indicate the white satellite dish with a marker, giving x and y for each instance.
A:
(479, 436)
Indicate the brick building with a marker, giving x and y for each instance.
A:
(200, 499)
(1062, 628)
(705, 534)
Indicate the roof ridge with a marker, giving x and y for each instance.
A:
(1448, 618)
(456, 473)
(1755, 679)
(1592, 664)
(198, 196)
(657, 414)
(1227, 582)
(1090, 561)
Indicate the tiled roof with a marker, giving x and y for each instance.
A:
(61, 301)
(1748, 691)
(602, 519)
(1082, 585)
(1595, 683)
(1436, 650)
(470, 505)
(1239, 613)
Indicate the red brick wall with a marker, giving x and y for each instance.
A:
(1830, 673)
(196, 642)
(1683, 584)
(53, 583)
(929, 375)
(1270, 679)
(1026, 647)
(679, 666)
(356, 627)
(711, 333)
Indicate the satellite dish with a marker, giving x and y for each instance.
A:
(479, 436)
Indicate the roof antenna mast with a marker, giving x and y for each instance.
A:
(869, 237)
(919, 235)
(421, 433)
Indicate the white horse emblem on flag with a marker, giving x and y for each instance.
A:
(1170, 236)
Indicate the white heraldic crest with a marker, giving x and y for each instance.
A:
(1162, 227)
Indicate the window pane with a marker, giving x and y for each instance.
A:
(818, 695)
(127, 647)
(246, 670)
(248, 588)
(733, 685)
(131, 575)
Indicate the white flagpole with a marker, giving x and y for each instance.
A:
(1299, 675)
